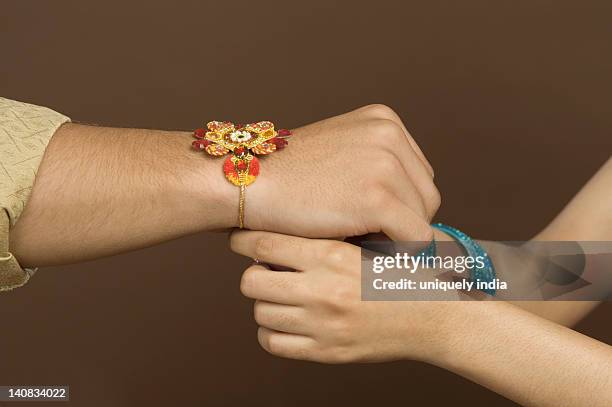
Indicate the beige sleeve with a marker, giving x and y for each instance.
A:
(25, 131)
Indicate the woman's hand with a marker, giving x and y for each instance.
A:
(317, 314)
(349, 175)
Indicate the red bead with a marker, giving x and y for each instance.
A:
(254, 167)
(284, 133)
(199, 133)
(279, 142)
(241, 165)
(239, 151)
(200, 144)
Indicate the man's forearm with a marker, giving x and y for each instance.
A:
(101, 191)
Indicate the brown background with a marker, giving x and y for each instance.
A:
(509, 100)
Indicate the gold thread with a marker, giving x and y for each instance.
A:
(217, 132)
(241, 206)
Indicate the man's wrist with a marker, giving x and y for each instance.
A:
(208, 196)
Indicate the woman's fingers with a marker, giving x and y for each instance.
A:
(289, 251)
(280, 317)
(286, 345)
(282, 287)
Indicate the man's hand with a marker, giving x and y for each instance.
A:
(101, 191)
(349, 175)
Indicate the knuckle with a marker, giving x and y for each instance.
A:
(387, 165)
(263, 246)
(381, 111)
(294, 246)
(338, 355)
(344, 295)
(339, 328)
(302, 353)
(383, 130)
(285, 320)
(274, 320)
(339, 298)
(282, 282)
(335, 253)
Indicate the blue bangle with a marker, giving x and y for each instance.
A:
(486, 273)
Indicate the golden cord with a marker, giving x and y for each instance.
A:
(241, 206)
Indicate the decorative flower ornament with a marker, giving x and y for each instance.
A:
(244, 141)
(240, 136)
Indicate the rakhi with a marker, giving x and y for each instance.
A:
(241, 168)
